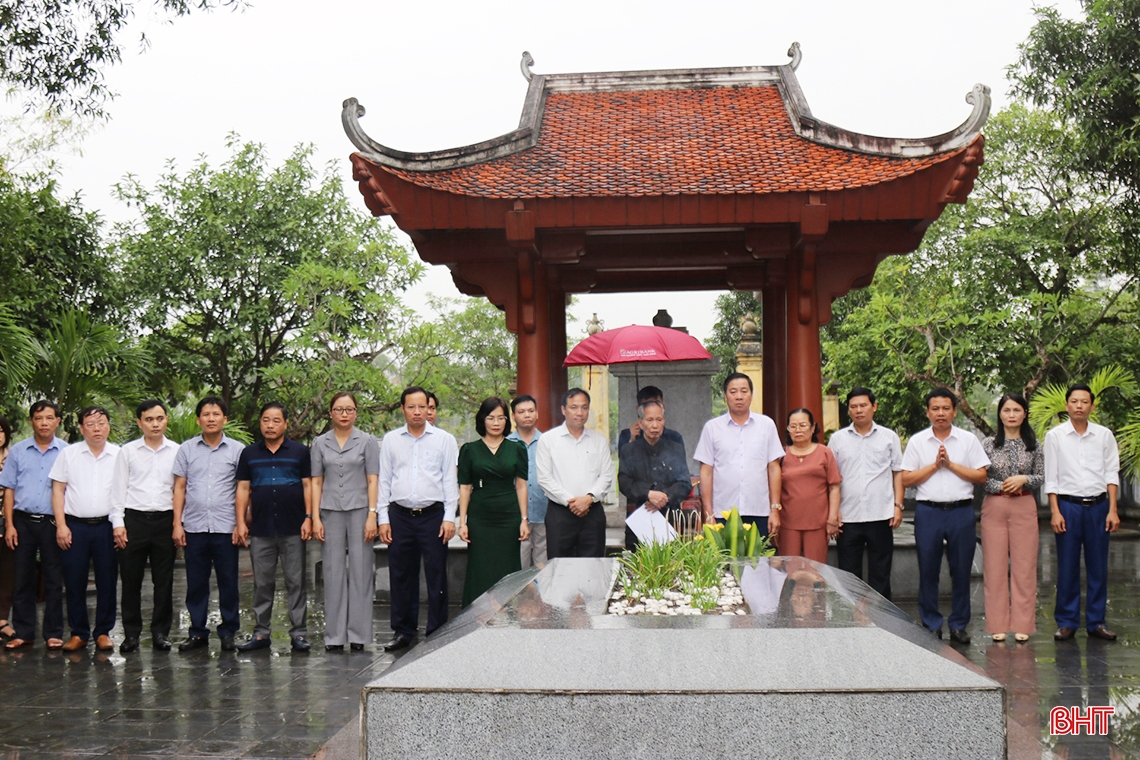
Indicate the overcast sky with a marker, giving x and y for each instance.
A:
(442, 74)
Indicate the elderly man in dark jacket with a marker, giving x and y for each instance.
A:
(653, 470)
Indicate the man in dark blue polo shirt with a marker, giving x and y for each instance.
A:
(274, 519)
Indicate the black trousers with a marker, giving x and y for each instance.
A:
(416, 536)
(568, 535)
(37, 538)
(877, 538)
(149, 537)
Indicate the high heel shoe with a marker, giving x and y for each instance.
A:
(999, 637)
(1021, 637)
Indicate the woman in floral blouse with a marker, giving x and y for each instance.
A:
(1009, 522)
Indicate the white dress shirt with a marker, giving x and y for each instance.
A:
(867, 464)
(88, 478)
(144, 479)
(418, 472)
(1081, 465)
(570, 467)
(739, 456)
(962, 447)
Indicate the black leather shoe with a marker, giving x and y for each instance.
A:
(1103, 632)
(159, 642)
(257, 642)
(130, 644)
(227, 643)
(959, 636)
(397, 643)
(334, 647)
(937, 633)
(356, 647)
(193, 642)
(1063, 634)
(300, 644)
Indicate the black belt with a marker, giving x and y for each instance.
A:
(150, 514)
(418, 511)
(87, 520)
(32, 517)
(1084, 501)
(948, 504)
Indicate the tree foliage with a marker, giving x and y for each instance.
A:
(731, 308)
(1031, 282)
(1085, 70)
(247, 274)
(57, 50)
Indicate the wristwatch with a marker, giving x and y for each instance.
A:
(777, 507)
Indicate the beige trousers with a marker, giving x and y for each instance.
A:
(1009, 563)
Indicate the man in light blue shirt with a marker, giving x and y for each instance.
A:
(205, 522)
(419, 496)
(524, 411)
(30, 528)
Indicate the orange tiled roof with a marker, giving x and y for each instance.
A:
(669, 142)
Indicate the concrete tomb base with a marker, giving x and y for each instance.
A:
(826, 668)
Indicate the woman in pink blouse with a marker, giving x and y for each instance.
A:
(809, 493)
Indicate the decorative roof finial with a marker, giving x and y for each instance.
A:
(796, 56)
(594, 325)
(525, 64)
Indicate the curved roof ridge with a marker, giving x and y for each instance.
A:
(783, 77)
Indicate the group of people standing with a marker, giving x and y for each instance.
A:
(519, 497)
(852, 490)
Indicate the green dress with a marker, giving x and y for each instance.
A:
(493, 516)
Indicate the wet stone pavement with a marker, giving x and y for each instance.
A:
(205, 703)
(210, 703)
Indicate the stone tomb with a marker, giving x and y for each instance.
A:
(823, 667)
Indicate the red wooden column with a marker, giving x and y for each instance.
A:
(559, 382)
(804, 378)
(534, 335)
(775, 333)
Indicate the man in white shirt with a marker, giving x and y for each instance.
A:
(1082, 464)
(871, 500)
(945, 463)
(740, 456)
(418, 499)
(142, 516)
(575, 472)
(81, 501)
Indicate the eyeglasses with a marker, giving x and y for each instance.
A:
(496, 419)
(344, 410)
(799, 426)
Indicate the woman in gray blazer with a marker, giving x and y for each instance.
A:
(346, 468)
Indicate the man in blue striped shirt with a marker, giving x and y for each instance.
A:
(205, 522)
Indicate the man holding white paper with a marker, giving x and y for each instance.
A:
(653, 472)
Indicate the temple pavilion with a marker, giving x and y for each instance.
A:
(682, 179)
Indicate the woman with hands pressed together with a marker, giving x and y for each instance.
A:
(1009, 522)
(809, 491)
(346, 477)
(492, 500)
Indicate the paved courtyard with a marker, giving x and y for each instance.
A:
(211, 703)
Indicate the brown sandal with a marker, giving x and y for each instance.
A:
(7, 631)
(55, 644)
(17, 643)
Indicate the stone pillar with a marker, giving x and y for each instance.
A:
(750, 359)
(596, 382)
(830, 409)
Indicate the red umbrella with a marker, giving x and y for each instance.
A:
(636, 343)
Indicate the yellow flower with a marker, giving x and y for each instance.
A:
(698, 538)
(725, 514)
(718, 526)
(747, 526)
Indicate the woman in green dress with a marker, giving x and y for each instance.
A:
(492, 500)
